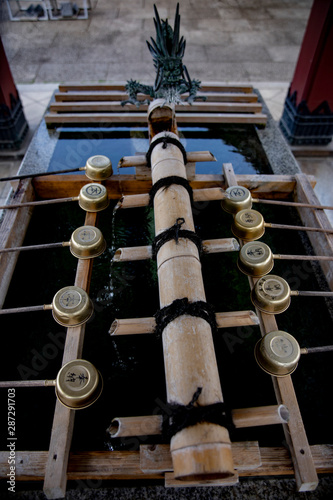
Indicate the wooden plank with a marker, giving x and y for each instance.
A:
(305, 472)
(172, 482)
(136, 117)
(118, 465)
(279, 461)
(30, 465)
(142, 173)
(89, 87)
(113, 95)
(205, 87)
(270, 186)
(63, 186)
(272, 459)
(13, 229)
(157, 458)
(222, 87)
(63, 421)
(322, 243)
(196, 107)
(267, 185)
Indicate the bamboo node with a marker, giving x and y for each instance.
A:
(174, 233)
(165, 140)
(167, 182)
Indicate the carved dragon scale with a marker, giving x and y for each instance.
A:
(172, 77)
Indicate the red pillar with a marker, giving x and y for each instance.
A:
(308, 113)
(13, 125)
(7, 85)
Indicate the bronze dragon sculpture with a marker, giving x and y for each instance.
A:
(172, 77)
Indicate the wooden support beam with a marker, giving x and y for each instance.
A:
(115, 106)
(172, 482)
(137, 117)
(117, 95)
(157, 458)
(204, 87)
(305, 472)
(322, 243)
(261, 186)
(13, 229)
(125, 465)
(63, 421)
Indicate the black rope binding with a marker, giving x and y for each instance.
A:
(167, 182)
(181, 417)
(174, 233)
(180, 307)
(166, 139)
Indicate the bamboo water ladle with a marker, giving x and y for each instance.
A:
(98, 168)
(93, 197)
(256, 258)
(249, 225)
(239, 198)
(78, 384)
(86, 242)
(271, 294)
(71, 306)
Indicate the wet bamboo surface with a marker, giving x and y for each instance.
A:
(202, 451)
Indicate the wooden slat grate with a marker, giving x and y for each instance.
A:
(254, 461)
(101, 104)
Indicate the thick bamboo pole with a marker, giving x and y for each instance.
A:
(202, 451)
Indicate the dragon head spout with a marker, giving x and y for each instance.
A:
(172, 78)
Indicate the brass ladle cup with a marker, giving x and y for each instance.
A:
(249, 225)
(239, 198)
(256, 258)
(71, 306)
(93, 197)
(278, 353)
(86, 242)
(97, 168)
(272, 295)
(78, 384)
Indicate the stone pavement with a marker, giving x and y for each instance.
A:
(227, 40)
(232, 41)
